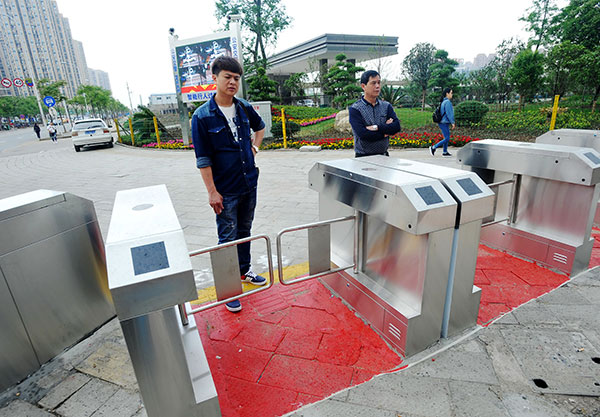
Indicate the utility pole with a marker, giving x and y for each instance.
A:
(129, 94)
(184, 120)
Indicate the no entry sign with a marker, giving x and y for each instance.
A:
(18, 82)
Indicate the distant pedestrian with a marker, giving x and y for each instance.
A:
(373, 120)
(52, 132)
(36, 129)
(447, 121)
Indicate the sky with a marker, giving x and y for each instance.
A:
(129, 38)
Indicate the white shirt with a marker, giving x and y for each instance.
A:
(230, 115)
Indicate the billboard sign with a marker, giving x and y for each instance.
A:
(192, 59)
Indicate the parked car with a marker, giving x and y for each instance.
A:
(90, 132)
(308, 102)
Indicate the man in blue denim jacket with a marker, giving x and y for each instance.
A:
(225, 155)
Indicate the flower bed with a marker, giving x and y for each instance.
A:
(171, 144)
(402, 140)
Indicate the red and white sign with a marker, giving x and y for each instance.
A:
(17, 82)
(6, 82)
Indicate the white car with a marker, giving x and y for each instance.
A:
(90, 132)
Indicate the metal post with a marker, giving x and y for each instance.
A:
(184, 120)
(283, 127)
(554, 110)
(356, 241)
(157, 132)
(236, 19)
(131, 132)
(514, 199)
(118, 131)
(183, 314)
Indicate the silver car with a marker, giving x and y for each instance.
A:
(90, 132)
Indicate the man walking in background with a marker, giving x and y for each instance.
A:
(372, 120)
(225, 155)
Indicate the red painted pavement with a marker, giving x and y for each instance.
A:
(291, 346)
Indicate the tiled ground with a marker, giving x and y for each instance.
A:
(291, 346)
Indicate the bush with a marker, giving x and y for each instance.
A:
(291, 128)
(470, 112)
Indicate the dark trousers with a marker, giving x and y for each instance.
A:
(235, 222)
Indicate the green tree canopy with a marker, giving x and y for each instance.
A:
(560, 64)
(264, 19)
(261, 87)
(505, 53)
(579, 22)
(340, 82)
(587, 72)
(442, 71)
(526, 74)
(539, 21)
(417, 67)
(295, 84)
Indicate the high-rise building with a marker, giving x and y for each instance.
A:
(99, 78)
(81, 62)
(36, 43)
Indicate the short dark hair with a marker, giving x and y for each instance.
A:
(367, 75)
(226, 63)
(444, 92)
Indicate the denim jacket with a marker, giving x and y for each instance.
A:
(232, 163)
(447, 111)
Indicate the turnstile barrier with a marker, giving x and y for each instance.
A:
(150, 274)
(53, 287)
(581, 138)
(403, 227)
(550, 207)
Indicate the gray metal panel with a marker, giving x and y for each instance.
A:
(65, 278)
(319, 249)
(159, 360)
(581, 138)
(560, 163)
(17, 358)
(465, 296)
(391, 195)
(226, 272)
(28, 202)
(44, 219)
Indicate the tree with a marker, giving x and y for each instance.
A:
(441, 74)
(417, 66)
(483, 83)
(260, 87)
(295, 84)
(578, 22)
(340, 82)
(560, 64)
(505, 53)
(587, 72)
(265, 19)
(539, 18)
(379, 54)
(526, 74)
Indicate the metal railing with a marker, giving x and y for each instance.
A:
(309, 226)
(513, 199)
(182, 309)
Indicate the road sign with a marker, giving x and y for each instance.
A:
(17, 82)
(29, 82)
(6, 82)
(49, 101)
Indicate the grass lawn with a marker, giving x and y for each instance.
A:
(411, 119)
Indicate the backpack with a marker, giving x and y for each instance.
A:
(437, 114)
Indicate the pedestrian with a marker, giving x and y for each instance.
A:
(225, 155)
(52, 132)
(373, 120)
(447, 120)
(36, 129)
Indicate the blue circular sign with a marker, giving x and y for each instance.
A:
(49, 101)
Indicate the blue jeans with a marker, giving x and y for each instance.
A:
(235, 222)
(445, 128)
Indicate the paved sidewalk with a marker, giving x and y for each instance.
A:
(555, 338)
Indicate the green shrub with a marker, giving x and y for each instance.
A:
(291, 129)
(470, 112)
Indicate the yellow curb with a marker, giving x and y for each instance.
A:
(209, 294)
